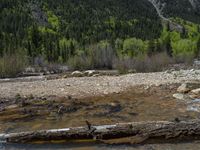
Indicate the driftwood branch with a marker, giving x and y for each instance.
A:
(135, 133)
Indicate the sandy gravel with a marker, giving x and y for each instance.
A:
(90, 86)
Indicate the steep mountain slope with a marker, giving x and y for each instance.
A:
(195, 4)
(62, 28)
(40, 26)
(185, 9)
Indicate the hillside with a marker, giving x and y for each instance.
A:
(85, 21)
(57, 31)
(185, 9)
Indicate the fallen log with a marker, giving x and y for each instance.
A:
(136, 132)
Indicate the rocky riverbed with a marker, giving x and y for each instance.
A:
(68, 102)
(92, 86)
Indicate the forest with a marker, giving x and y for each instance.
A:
(91, 34)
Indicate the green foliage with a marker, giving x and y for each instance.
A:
(184, 48)
(49, 28)
(119, 47)
(134, 47)
(191, 28)
(53, 20)
(92, 33)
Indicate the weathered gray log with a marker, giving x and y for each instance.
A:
(139, 132)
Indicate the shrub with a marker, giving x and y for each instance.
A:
(99, 56)
(184, 48)
(102, 55)
(11, 65)
(154, 63)
(81, 62)
(134, 47)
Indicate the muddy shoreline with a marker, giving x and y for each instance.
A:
(133, 105)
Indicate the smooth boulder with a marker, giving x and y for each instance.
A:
(77, 74)
(196, 91)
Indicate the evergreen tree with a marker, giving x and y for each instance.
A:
(184, 33)
(151, 47)
(168, 46)
(198, 46)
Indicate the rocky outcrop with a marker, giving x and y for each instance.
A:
(180, 96)
(196, 91)
(195, 4)
(189, 93)
(159, 6)
(77, 74)
(90, 73)
(38, 14)
(183, 88)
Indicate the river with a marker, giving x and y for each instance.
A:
(179, 146)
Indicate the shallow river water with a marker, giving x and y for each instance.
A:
(179, 146)
(155, 104)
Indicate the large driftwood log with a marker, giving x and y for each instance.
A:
(141, 132)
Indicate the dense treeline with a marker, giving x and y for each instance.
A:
(55, 29)
(92, 33)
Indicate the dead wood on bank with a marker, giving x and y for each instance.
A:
(134, 133)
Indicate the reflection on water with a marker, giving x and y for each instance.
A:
(180, 146)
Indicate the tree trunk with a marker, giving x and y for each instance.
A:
(134, 133)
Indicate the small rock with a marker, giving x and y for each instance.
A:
(117, 92)
(193, 96)
(62, 89)
(52, 72)
(30, 70)
(65, 76)
(147, 87)
(105, 92)
(180, 96)
(77, 74)
(183, 88)
(113, 104)
(132, 71)
(89, 73)
(12, 106)
(96, 75)
(192, 70)
(196, 91)
(47, 73)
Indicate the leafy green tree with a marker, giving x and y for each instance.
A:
(134, 47)
(184, 48)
